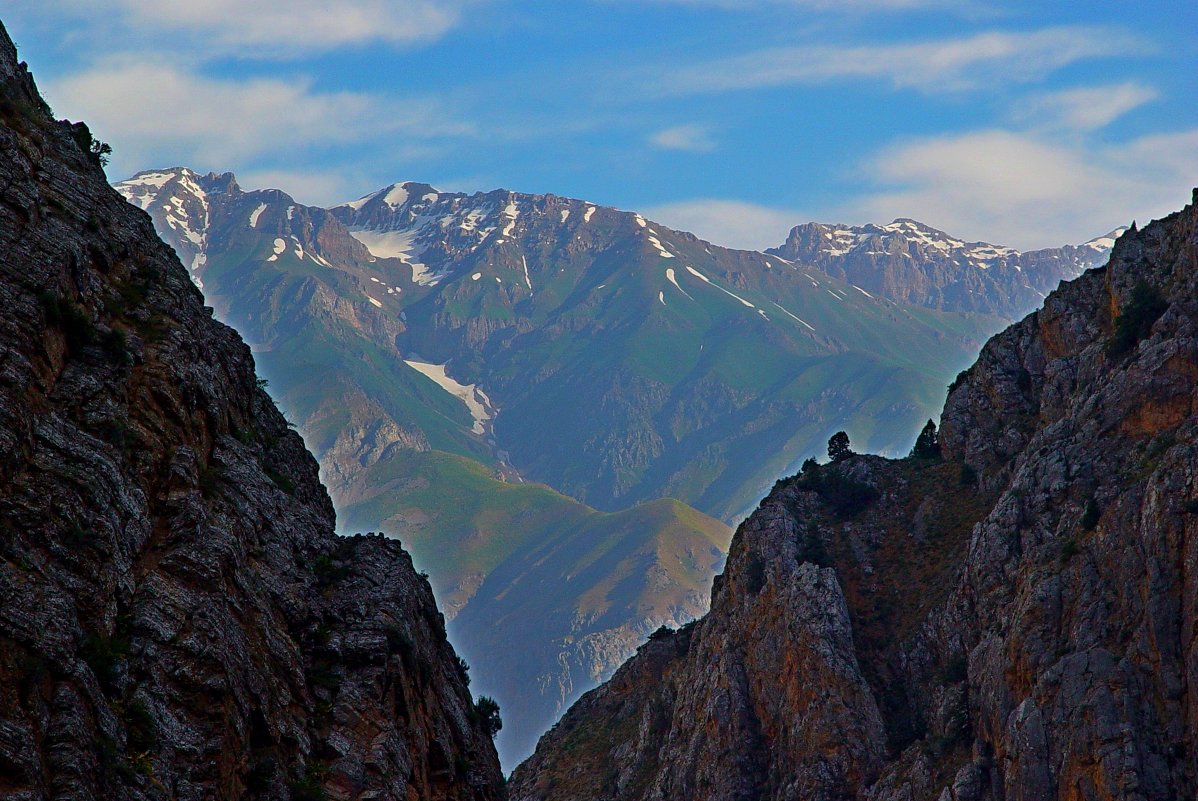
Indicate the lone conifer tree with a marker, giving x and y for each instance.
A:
(838, 446)
(927, 446)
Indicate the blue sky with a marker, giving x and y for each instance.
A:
(1023, 123)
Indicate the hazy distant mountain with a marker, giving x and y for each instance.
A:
(630, 361)
(438, 349)
(911, 262)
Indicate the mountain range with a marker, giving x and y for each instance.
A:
(438, 350)
(908, 261)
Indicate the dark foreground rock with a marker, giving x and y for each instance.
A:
(1015, 620)
(177, 618)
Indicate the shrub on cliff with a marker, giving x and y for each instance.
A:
(1134, 323)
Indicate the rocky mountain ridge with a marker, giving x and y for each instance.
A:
(911, 262)
(591, 331)
(1014, 618)
(177, 618)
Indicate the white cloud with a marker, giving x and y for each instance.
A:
(988, 58)
(273, 29)
(730, 223)
(1029, 191)
(1020, 189)
(309, 187)
(688, 138)
(1084, 109)
(154, 112)
(819, 5)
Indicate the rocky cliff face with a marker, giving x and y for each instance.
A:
(911, 262)
(177, 619)
(1015, 620)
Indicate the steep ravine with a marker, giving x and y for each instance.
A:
(177, 618)
(1015, 620)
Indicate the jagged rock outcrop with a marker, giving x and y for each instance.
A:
(177, 618)
(910, 262)
(1016, 620)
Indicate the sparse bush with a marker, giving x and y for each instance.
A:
(927, 444)
(104, 656)
(116, 345)
(310, 786)
(1090, 515)
(463, 670)
(328, 570)
(281, 481)
(755, 575)
(1069, 550)
(956, 670)
(968, 476)
(486, 709)
(325, 677)
(956, 382)
(99, 152)
(140, 726)
(811, 547)
(258, 779)
(845, 495)
(210, 479)
(1134, 323)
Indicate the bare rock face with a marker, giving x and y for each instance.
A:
(177, 619)
(910, 262)
(1013, 620)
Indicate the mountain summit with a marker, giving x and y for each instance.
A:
(914, 263)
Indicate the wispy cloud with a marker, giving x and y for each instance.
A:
(1084, 109)
(987, 58)
(153, 112)
(731, 223)
(688, 138)
(1026, 190)
(820, 5)
(1023, 189)
(268, 29)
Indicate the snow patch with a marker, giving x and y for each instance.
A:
(707, 280)
(527, 280)
(375, 302)
(476, 276)
(475, 399)
(511, 211)
(590, 213)
(674, 280)
(396, 196)
(565, 214)
(255, 214)
(793, 317)
(661, 251)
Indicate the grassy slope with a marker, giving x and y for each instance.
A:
(459, 521)
(546, 594)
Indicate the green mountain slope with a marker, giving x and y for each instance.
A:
(507, 560)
